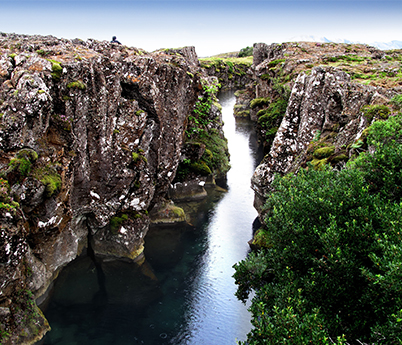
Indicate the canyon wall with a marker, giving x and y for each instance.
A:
(91, 136)
(312, 102)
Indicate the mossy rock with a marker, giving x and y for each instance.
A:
(324, 152)
(50, 179)
(23, 161)
(339, 158)
(259, 102)
(52, 184)
(57, 70)
(378, 111)
(116, 222)
(201, 168)
(318, 164)
(78, 84)
(242, 113)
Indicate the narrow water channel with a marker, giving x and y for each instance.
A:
(184, 292)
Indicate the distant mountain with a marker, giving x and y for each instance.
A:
(388, 46)
(379, 45)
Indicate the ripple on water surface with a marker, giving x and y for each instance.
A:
(184, 293)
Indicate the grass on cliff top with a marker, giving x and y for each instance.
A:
(248, 61)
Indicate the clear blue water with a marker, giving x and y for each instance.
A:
(184, 292)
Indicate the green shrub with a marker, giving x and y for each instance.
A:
(335, 252)
(248, 51)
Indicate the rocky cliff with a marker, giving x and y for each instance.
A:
(91, 136)
(313, 103)
(232, 72)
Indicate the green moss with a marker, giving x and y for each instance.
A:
(339, 158)
(78, 84)
(57, 70)
(139, 112)
(259, 102)
(274, 63)
(201, 168)
(41, 91)
(136, 156)
(23, 161)
(13, 55)
(41, 52)
(324, 152)
(116, 222)
(396, 102)
(378, 111)
(66, 98)
(49, 177)
(242, 113)
(6, 201)
(116, 131)
(216, 104)
(52, 183)
(239, 92)
(318, 164)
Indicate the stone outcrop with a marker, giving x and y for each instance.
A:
(232, 73)
(91, 135)
(325, 108)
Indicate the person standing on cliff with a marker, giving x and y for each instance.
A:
(114, 40)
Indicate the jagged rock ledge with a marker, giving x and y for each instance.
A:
(91, 136)
(309, 98)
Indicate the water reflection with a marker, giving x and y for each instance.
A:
(184, 292)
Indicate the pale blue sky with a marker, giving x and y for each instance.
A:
(212, 26)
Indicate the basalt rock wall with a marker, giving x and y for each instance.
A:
(91, 135)
(326, 92)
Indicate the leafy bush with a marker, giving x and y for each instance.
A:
(248, 51)
(333, 264)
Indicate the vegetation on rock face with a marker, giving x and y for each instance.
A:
(330, 269)
(56, 69)
(78, 84)
(23, 161)
(49, 176)
(202, 134)
(6, 201)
